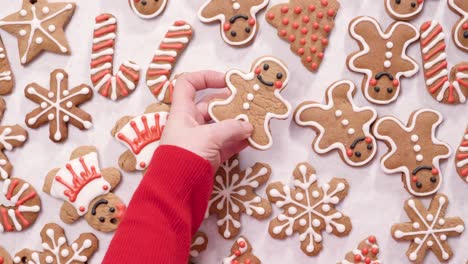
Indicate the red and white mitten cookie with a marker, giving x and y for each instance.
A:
(382, 57)
(86, 190)
(241, 253)
(306, 25)
(404, 10)
(7, 81)
(449, 87)
(198, 245)
(461, 159)
(237, 18)
(147, 9)
(114, 86)
(255, 98)
(414, 150)
(366, 253)
(340, 124)
(460, 29)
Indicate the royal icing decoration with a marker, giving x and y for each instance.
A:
(461, 159)
(113, 86)
(428, 229)
(460, 30)
(241, 253)
(237, 18)
(5, 257)
(6, 75)
(445, 86)
(308, 209)
(382, 57)
(164, 60)
(366, 253)
(414, 150)
(404, 9)
(255, 98)
(19, 205)
(58, 106)
(198, 245)
(306, 25)
(39, 26)
(341, 125)
(234, 194)
(148, 9)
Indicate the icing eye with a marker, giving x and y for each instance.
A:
(433, 179)
(233, 33)
(369, 147)
(33, 1)
(419, 185)
(102, 219)
(413, 4)
(266, 67)
(24, 260)
(389, 90)
(247, 29)
(143, 2)
(398, 2)
(112, 209)
(358, 154)
(465, 34)
(113, 221)
(279, 76)
(377, 89)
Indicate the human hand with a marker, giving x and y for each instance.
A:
(188, 128)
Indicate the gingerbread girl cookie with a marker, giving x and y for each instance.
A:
(114, 86)
(414, 150)
(39, 26)
(147, 9)
(460, 30)
(461, 159)
(404, 9)
(7, 81)
(449, 87)
(255, 98)
(238, 20)
(306, 25)
(86, 190)
(382, 57)
(366, 253)
(340, 124)
(241, 253)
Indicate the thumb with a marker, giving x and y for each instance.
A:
(230, 130)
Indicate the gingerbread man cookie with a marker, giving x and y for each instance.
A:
(39, 26)
(198, 245)
(460, 30)
(306, 25)
(404, 9)
(241, 253)
(449, 87)
(255, 98)
(147, 9)
(238, 20)
(461, 159)
(7, 81)
(86, 190)
(366, 253)
(340, 124)
(382, 57)
(55, 248)
(428, 229)
(414, 150)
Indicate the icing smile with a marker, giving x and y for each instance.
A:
(374, 82)
(260, 78)
(236, 17)
(358, 154)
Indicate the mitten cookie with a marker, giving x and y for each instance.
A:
(306, 25)
(460, 29)
(198, 245)
(340, 124)
(428, 229)
(237, 18)
(7, 81)
(414, 150)
(382, 57)
(461, 159)
(308, 209)
(164, 60)
(255, 98)
(404, 9)
(449, 87)
(114, 86)
(55, 248)
(141, 135)
(241, 253)
(234, 195)
(58, 106)
(147, 9)
(86, 190)
(39, 26)
(366, 253)
(19, 205)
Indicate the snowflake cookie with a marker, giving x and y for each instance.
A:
(241, 253)
(58, 106)
(366, 253)
(198, 245)
(428, 229)
(461, 159)
(308, 209)
(234, 194)
(56, 249)
(7, 80)
(39, 26)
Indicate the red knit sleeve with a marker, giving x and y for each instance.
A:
(165, 211)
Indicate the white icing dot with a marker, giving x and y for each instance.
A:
(315, 194)
(49, 259)
(250, 97)
(441, 221)
(302, 222)
(236, 6)
(256, 87)
(338, 113)
(443, 237)
(66, 118)
(389, 45)
(345, 122)
(430, 217)
(65, 93)
(430, 243)
(23, 12)
(17, 259)
(326, 208)
(292, 210)
(416, 225)
(45, 10)
(246, 106)
(51, 116)
(387, 64)
(316, 223)
(39, 40)
(417, 148)
(351, 131)
(22, 32)
(417, 240)
(69, 105)
(87, 124)
(51, 28)
(414, 138)
(65, 253)
(50, 95)
(299, 196)
(465, 137)
(419, 157)
(388, 55)
(43, 105)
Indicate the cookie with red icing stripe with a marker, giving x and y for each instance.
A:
(461, 158)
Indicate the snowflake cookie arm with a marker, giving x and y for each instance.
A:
(255, 205)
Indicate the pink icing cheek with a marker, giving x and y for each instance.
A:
(252, 22)
(226, 26)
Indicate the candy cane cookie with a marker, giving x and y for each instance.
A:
(448, 87)
(461, 159)
(113, 86)
(165, 57)
(7, 81)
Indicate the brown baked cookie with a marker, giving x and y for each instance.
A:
(306, 25)
(55, 248)
(86, 190)
(255, 98)
(460, 29)
(340, 124)
(241, 253)
(58, 106)
(198, 245)
(461, 159)
(414, 150)
(147, 9)
(141, 135)
(308, 209)
(5, 257)
(404, 9)
(7, 80)
(366, 253)
(428, 229)
(39, 26)
(382, 57)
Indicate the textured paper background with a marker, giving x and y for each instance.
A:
(375, 199)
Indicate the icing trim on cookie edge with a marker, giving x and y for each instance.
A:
(401, 16)
(155, 14)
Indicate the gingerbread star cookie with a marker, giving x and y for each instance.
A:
(198, 245)
(366, 253)
(382, 57)
(340, 124)
(147, 9)
(461, 159)
(428, 229)
(7, 81)
(414, 150)
(460, 29)
(308, 209)
(241, 253)
(404, 10)
(39, 26)
(255, 98)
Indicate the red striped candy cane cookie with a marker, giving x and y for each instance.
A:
(461, 159)
(165, 57)
(448, 87)
(113, 86)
